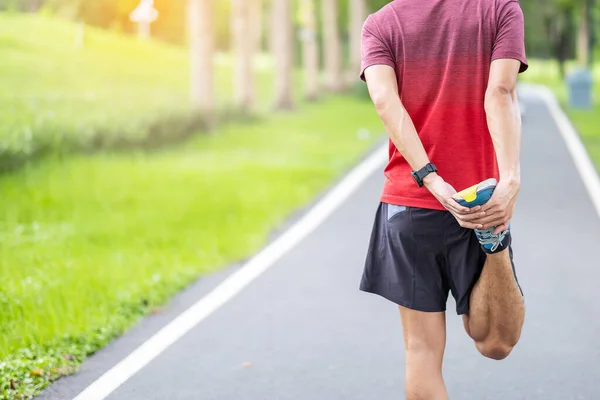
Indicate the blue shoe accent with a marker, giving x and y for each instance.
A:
(478, 195)
(491, 242)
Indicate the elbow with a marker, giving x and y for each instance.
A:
(499, 94)
(381, 100)
(501, 90)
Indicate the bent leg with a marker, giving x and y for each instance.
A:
(497, 309)
(424, 341)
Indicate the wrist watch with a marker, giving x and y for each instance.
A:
(423, 172)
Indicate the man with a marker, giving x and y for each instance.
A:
(442, 76)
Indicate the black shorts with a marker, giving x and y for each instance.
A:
(416, 256)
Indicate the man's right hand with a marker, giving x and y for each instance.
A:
(443, 192)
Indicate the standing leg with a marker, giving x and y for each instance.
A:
(424, 341)
(497, 310)
(406, 264)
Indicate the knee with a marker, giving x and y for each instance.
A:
(422, 350)
(496, 350)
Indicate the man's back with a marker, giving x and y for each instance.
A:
(442, 76)
(441, 52)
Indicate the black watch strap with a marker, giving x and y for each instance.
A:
(423, 172)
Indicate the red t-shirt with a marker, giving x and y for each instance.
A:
(441, 51)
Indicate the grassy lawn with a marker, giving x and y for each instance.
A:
(89, 244)
(587, 123)
(113, 90)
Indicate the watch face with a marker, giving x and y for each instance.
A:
(418, 179)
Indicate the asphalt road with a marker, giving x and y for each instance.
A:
(303, 330)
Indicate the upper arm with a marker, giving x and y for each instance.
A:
(382, 84)
(503, 75)
(509, 42)
(375, 50)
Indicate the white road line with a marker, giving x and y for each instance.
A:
(580, 156)
(125, 369)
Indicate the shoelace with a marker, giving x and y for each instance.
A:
(487, 237)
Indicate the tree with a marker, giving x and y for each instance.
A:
(595, 30)
(33, 5)
(310, 49)
(201, 41)
(583, 37)
(282, 44)
(331, 46)
(244, 42)
(256, 24)
(358, 14)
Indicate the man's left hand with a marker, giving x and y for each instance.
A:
(499, 209)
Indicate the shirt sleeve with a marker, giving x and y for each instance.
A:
(374, 49)
(510, 37)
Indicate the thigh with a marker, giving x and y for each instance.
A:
(424, 335)
(465, 264)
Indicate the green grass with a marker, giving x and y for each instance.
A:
(587, 123)
(90, 244)
(115, 91)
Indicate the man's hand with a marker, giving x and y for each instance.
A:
(499, 210)
(443, 192)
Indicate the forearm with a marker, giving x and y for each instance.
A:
(504, 123)
(401, 129)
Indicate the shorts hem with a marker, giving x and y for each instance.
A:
(463, 310)
(400, 302)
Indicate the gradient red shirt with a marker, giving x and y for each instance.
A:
(441, 51)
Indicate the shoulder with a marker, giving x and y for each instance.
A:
(503, 6)
(384, 13)
(376, 22)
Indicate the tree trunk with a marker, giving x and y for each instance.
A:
(256, 24)
(594, 23)
(270, 42)
(201, 41)
(358, 15)
(33, 5)
(79, 34)
(583, 37)
(310, 50)
(282, 49)
(243, 50)
(332, 48)
(562, 48)
(144, 32)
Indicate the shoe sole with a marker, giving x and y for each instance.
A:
(476, 195)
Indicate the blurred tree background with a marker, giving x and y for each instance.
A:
(552, 25)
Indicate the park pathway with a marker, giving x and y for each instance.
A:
(303, 331)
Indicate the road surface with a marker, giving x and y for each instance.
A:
(302, 330)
